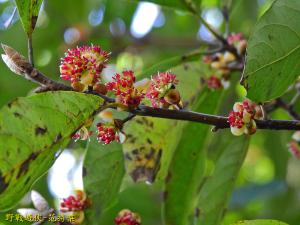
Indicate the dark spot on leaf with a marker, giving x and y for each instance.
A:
(27, 180)
(33, 21)
(127, 156)
(17, 115)
(165, 195)
(168, 177)
(12, 103)
(25, 165)
(84, 172)
(58, 138)
(135, 151)
(270, 37)
(3, 185)
(150, 154)
(197, 212)
(40, 131)
(149, 141)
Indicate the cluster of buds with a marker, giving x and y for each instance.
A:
(124, 88)
(126, 217)
(238, 41)
(82, 66)
(214, 82)
(162, 91)
(75, 204)
(293, 146)
(109, 132)
(223, 61)
(241, 119)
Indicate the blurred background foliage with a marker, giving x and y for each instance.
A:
(140, 34)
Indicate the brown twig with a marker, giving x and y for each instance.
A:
(219, 122)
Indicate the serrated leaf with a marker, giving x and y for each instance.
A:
(215, 192)
(260, 222)
(103, 172)
(32, 130)
(272, 63)
(29, 11)
(188, 164)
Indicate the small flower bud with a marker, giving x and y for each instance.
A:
(229, 57)
(76, 203)
(296, 136)
(294, 149)
(77, 86)
(172, 97)
(100, 88)
(126, 217)
(241, 47)
(250, 127)
(106, 115)
(213, 82)
(16, 62)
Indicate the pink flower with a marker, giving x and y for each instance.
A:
(125, 91)
(160, 85)
(126, 217)
(83, 65)
(241, 119)
(79, 202)
(234, 38)
(213, 82)
(109, 132)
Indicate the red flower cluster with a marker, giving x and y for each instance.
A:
(75, 203)
(107, 133)
(214, 82)
(241, 119)
(124, 89)
(126, 217)
(83, 65)
(160, 87)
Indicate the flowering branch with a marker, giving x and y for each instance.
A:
(19, 65)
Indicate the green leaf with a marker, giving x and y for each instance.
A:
(215, 192)
(172, 62)
(177, 4)
(188, 164)
(272, 63)
(103, 172)
(29, 11)
(260, 222)
(151, 141)
(148, 140)
(32, 130)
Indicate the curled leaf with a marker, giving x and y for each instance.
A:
(16, 62)
(39, 201)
